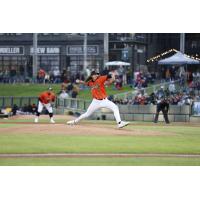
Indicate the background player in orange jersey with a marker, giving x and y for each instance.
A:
(45, 100)
(97, 84)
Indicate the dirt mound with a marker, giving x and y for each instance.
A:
(81, 129)
(26, 126)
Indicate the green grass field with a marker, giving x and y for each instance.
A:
(100, 161)
(182, 139)
(20, 90)
(176, 139)
(43, 143)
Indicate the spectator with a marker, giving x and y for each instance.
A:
(172, 88)
(63, 95)
(13, 74)
(1, 76)
(129, 76)
(41, 75)
(56, 74)
(14, 109)
(64, 76)
(69, 88)
(167, 75)
(118, 83)
(75, 91)
(173, 73)
(29, 109)
(51, 77)
(160, 93)
(47, 78)
(63, 86)
(25, 108)
(34, 108)
(7, 110)
(121, 73)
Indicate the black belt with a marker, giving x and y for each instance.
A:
(101, 99)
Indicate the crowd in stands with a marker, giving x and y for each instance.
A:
(182, 89)
(184, 96)
(68, 90)
(175, 77)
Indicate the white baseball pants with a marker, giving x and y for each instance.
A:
(47, 106)
(97, 104)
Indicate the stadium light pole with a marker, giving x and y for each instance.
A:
(182, 48)
(106, 49)
(35, 41)
(85, 52)
(182, 42)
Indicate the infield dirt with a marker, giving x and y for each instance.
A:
(84, 128)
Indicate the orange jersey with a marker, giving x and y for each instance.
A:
(47, 97)
(98, 88)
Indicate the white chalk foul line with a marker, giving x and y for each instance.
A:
(82, 155)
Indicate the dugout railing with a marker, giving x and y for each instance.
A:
(6, 101)
(70, 103)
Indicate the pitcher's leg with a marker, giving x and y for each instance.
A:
(92, 107)
(110, 105)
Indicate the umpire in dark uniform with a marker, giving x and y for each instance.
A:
(162, 105)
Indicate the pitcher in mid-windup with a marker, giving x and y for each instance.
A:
(97, 85)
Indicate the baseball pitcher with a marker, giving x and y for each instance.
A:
(97, 85)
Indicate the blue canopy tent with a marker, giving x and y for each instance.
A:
(178, 59)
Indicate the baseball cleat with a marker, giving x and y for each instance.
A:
(52, 121)
(72, 122)
(123, 124)
(36, 120)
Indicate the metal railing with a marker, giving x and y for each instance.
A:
(6, 101)
(74, 104)
(81, 105)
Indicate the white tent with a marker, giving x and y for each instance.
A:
(117, 63)
(178, 59)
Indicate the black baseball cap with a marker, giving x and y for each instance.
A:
(94, 73)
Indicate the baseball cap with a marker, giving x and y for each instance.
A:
(94, 73)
